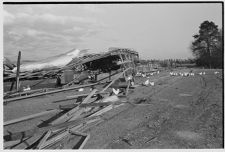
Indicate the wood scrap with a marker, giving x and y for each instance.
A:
(36, 130)
(44, 139)
(75, 112)
(99, 104)
(49, 92)
(85, 94)
(80, 111)
(84, 141)
(25, 118)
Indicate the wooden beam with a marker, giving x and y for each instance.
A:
(25, 118)
(36, 130)
(115, 79)
(75, 112)
(9, 94)
(85, 94)
(18, 72)
(85, 105)
(49, 92)
(44, 139)
(12, 84)
(55, 139)
(85, 141)
(128, 86)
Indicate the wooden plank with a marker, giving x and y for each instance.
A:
(9, 94)
(49, 92)
(18, 72)
(25, 118)
(85, 141)
(9, 144)
(70, 106)
(128, 86)
(75, 112)
(12, 84)
(44, 139)
(36, 130)
(55, 139)
(115, 79)
(85, 94)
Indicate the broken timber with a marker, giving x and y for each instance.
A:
(73, 112)
(115, 79)
(25, 118)
(49, 92)
(36, 130)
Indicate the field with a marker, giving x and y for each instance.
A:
(177, 112)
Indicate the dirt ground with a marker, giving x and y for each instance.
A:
(178, 112)
(182, 112)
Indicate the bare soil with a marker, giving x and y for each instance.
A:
(182, 112)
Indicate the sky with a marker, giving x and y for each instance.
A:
(155, 31)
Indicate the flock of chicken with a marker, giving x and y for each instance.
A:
(183, 74)
(146, 74)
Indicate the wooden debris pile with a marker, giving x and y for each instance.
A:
(68, 131)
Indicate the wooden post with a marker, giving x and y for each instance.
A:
(123, 66)
(12, 84)
(96, 77)
(18, 72)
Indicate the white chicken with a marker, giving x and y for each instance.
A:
(27, 89)
(116, 91)
(81, 89)
(216, 72)
(144, 75)
(152, 83)
(146, 83)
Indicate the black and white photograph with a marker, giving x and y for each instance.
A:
(112, 75)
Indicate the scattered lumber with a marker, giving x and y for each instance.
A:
(47, 93)
(115, 79)
(36, 130)
(99, 104)
(25, 118)
(86, 94)
(86, 138)
(75, 112)
(44, 139)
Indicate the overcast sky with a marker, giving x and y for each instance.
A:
(156, 31)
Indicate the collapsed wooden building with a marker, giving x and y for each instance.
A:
(103, 75)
